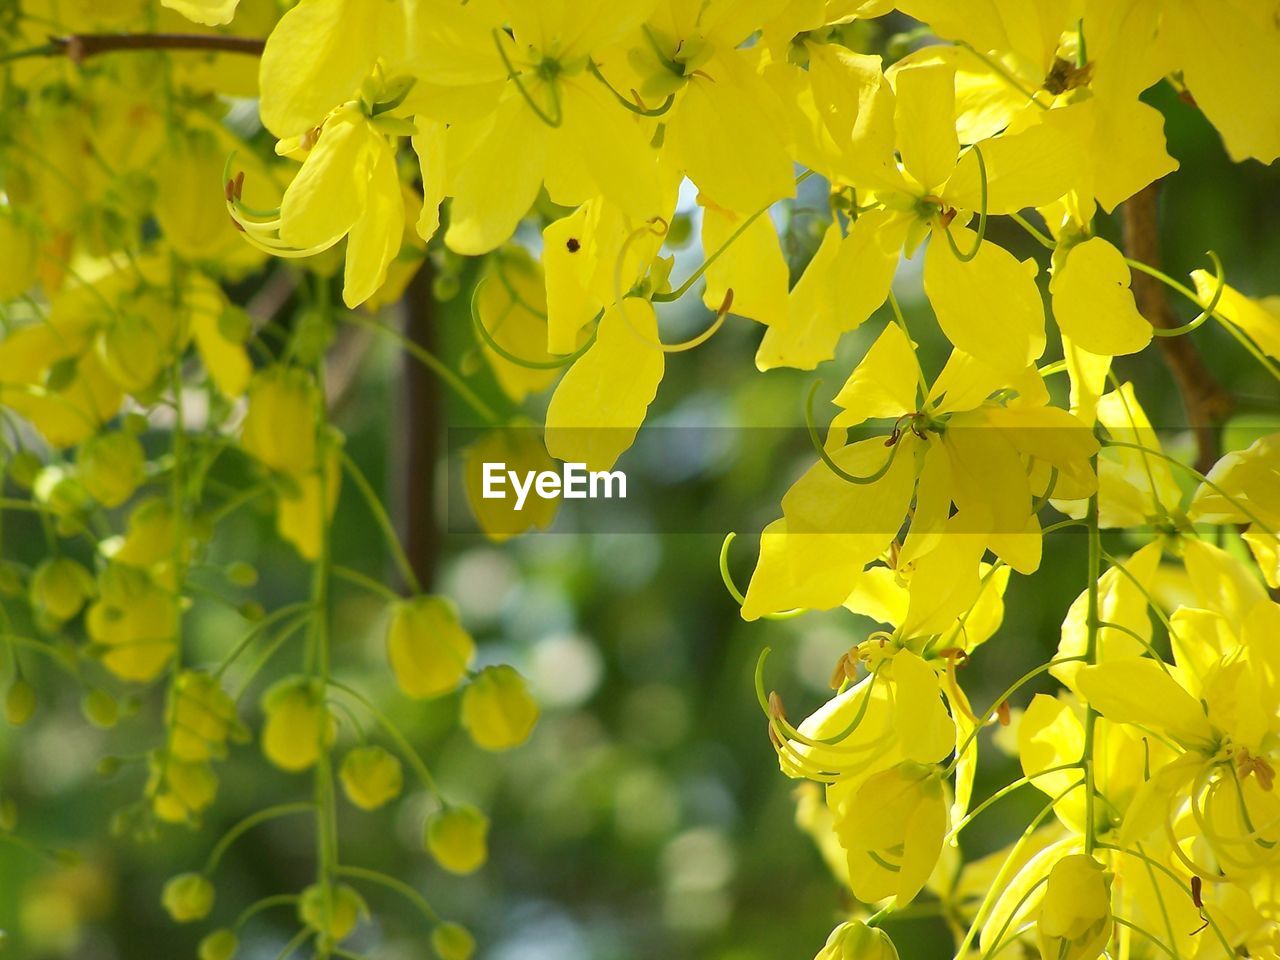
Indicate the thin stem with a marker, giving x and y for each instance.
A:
(1004, 792)
(1040, 238)
(391, 883)
(982, 216)
(370, 584)
(381, 517)
(247, 824)
(266, 903)
(826, 458)
(401, 741)
(81, 46)
(432, 363)
(1014, 687)
(1093, 571)
(737, 594)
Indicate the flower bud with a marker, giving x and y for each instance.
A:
(59, 588)
(335, 920)
(427, 646)
(1075, 915)
(497, 709)
(100, 708)
(218, 945)
(452, 941)
(201, 718)
(856, 941)
(188, 897)
(19, 702)
(280, 426)
(458, 838)
(110, 467)
(298, 725)
(371, 777)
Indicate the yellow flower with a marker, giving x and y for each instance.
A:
(452, 941)
(59, 588)
(201, 718)
(497, 709)
(856, 941)
(427, 647)
(135, 622)
(280, 426)
(333, 912)
(188, 897)
(893, 828)
(111, 467)
(371, 777)
(179, 790)
(299, 725)
(218, 945)
(19, 702)
(457, 838)
(599, 405)
(1075, 918)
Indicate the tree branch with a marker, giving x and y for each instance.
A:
(79, 47)
(1206, 402)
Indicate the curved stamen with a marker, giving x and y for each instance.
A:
(982, 215)
(1207, 312)
(551, 120)
(637, 108)
(737, 594)
(510, 357)
(826, 457)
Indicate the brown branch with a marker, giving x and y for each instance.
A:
(1206, 402)
(79, 47)
(419, 430)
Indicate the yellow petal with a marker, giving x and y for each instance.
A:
(813, 571)
(1229, 51)
(883, 385)
(1031, 168)
(752, 265)
(926, 122)
(210, 12)
(724, 134)
(429, 145)
(480, 155)
(990, 307)
(1260, 319)
(1139, 692)
(329, 193)
(598, 407)
(847, 280)
(1030, 29)
(375, 237)
(315, 59)
(1093, 304)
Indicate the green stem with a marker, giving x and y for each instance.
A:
(247, 824)
(391, 883)
(367, 582)
(1093, 572)
(1004, 792)
(432, 363)
(401, 741)
(383, 520)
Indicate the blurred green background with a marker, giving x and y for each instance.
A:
(647, 816)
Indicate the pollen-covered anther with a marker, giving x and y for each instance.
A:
(1259, 767)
